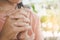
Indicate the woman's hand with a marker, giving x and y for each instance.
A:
(15, 23)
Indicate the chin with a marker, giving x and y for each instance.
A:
(13, 1)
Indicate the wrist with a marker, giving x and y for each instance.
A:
(3, 38)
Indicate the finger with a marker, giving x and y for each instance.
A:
(19, 12)
(21, 24)
(16, 17)
(20, 18)
(21, 35)
(23, 12)
(25, 20)
(28, 11)
(15, 31)
(20, 29)
(12, 11)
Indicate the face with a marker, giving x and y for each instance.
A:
(14, 1)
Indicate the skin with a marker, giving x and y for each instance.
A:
(18, 22)
(14, 1)
(15, 23)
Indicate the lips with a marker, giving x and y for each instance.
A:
(13, 39)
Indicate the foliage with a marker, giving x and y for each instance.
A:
(33, 7)
(44, 19)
